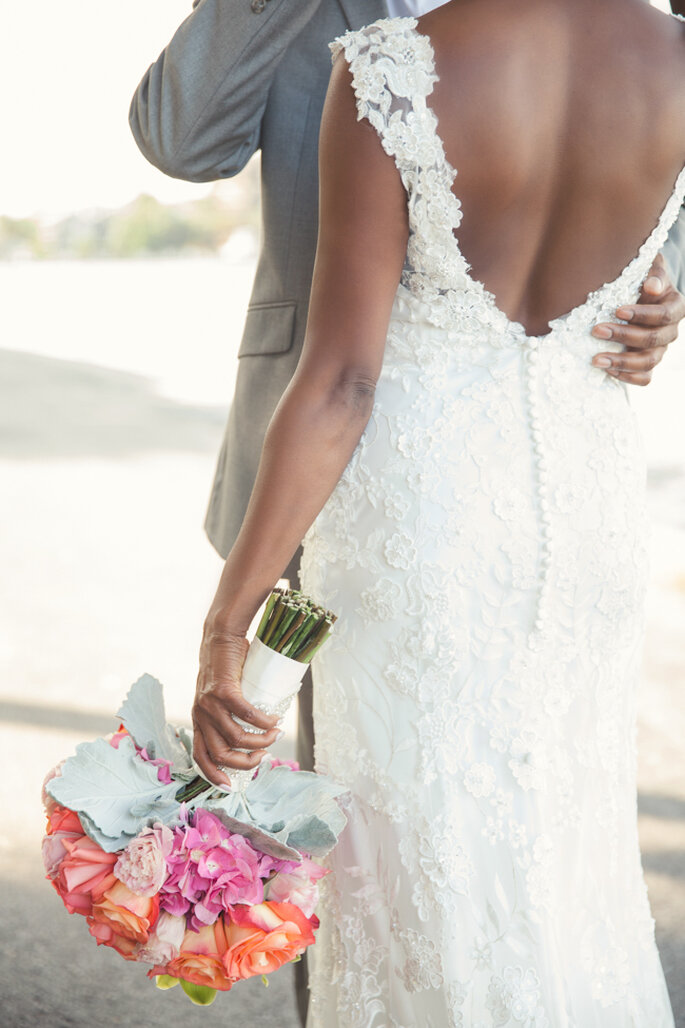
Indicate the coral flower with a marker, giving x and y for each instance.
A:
(61, 819)
(201, 959)
(104, 936)
(83, 874)
(126, 913)
(263, 937)
(62, 824)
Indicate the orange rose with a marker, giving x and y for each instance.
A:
(104, 936)
(262, 937)
(201, 958)
(126, 913)
(84, 873)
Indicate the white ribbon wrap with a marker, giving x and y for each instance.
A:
(270, 682)
(269, 678)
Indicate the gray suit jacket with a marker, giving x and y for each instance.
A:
(235, 78)
(238, 76)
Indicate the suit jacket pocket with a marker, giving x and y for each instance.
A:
(269, 328)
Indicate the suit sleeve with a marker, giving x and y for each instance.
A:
(674, 253)
(197, 111)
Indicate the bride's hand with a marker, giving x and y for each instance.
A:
(217, 697)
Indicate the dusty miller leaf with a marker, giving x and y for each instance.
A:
(115, 789)
(283, 812)
(142, 712)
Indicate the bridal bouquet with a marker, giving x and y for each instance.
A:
(207, 885)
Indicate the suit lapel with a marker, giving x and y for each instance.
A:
(363, 12)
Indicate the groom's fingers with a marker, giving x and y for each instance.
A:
(657, 282)
(641, 337)
(632, 366)
(652, 322)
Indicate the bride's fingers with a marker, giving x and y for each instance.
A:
(217, 721)
(211, 753)
(205, 763)
(213, 697)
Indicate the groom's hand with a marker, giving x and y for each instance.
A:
(653, 324)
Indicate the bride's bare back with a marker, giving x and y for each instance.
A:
(566, 124)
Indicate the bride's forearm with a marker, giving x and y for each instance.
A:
(308, 444)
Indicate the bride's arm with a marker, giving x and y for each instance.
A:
(363, 234)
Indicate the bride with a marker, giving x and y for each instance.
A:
(495, 179)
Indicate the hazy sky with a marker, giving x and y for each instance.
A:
(67, 72)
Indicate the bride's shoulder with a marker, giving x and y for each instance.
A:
(387, 37)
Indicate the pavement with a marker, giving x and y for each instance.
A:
(106, 573)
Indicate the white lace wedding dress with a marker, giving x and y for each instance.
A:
(485, 550)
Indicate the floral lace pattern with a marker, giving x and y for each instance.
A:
(485, 550)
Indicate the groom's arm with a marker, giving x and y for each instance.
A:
(197, 112)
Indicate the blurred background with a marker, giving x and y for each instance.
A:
(122, 300)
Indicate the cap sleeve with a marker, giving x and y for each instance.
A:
(392, 72)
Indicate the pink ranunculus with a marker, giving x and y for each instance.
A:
(83, 874)
(201, 959)
(164, 942)
(45, 796)
(142, 865)
(298, 886)
(126, 913)
(61, 819)
(62, 824)
(105, 936)
(263, 937)
(54, 851)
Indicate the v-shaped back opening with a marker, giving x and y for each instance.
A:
(669, 212)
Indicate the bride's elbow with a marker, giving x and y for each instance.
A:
(355, 391)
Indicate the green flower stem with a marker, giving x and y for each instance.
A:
(301, 636)
(270, 604)
(294, 625)
(317, 640)
(193, 789)
(272, 625)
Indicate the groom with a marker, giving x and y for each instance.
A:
(246, 75)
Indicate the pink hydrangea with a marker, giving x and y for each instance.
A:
(298, 886)
(211, 869)
(142, 867)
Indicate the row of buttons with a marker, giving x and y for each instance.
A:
(532, 357)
